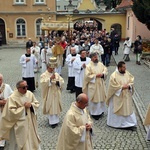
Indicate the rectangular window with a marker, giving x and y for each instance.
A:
(65, 7)
(21, 31)
(39, 1)
(58, 8)
(19, 1)
(38, 30)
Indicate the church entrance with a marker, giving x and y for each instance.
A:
(118, 29)
(2, 30)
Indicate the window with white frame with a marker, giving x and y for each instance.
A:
(38, 27)
(39, 1)
(58, 8)
(19, 1)
(65, 7)
(21, 28)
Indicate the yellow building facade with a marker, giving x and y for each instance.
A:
(21, 19)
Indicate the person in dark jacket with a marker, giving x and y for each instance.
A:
(138, 49)
(116, 44)
(106, 46)
(29, 43)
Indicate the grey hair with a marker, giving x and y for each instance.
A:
(1, 75)
(18, 83)
(93, 54)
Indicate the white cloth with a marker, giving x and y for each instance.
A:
(117, 121)
(97, 108)
(127, 46)
(79, 71)
(70, 64)
(45, 58)
(35, 50)
(28, 67)
(97, 48)
(53, 119)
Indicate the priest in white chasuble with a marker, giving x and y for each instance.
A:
(147, 123)
(19, 119)
(94, 86)
(119, 99)
(5, 92)
(79, 66)
(76, 130)
(51, 85)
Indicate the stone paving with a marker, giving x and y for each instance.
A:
(105, 138)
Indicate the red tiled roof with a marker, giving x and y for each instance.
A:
(125, 3)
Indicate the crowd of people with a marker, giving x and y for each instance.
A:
(87, 56)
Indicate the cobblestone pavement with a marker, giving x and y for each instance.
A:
(105, 138)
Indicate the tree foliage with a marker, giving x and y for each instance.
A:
(141, 9)
(109, 3)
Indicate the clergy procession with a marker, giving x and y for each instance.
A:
(99, 97)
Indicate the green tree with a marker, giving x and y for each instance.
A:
(141, 9)
(109, 3)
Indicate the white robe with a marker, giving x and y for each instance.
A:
(35, 50)
(127, 46)
(118, 121)
(28, 67)
(45, 58)
(4, 95)
(70, 64)
(97, 48)
(79, 73)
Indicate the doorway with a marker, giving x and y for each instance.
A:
(2, 30)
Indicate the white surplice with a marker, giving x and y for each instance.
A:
(70, 64)
(35, 50)
(28, 67)
(97, 48)
(79, 71)
(45, 58)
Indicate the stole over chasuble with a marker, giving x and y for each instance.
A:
(95, 89)
(51, 93)
(23, 120)
(73, 128)
(122, 103)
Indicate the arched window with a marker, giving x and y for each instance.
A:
(38, 27)
(21, 28)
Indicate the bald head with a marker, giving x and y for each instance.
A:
(82, 101)
(73, 50)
